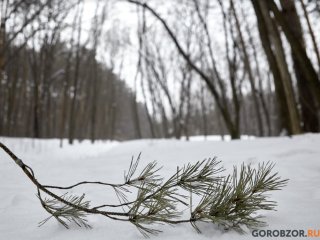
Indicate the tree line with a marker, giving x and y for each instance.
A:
(202, 67)
(264, 73)
(53, 88)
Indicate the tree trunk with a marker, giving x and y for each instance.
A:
(272, 45)
(298, 49)
(249, 71)
(307, 101)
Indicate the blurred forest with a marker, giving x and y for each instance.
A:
(159, 68)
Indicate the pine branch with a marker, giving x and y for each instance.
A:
(231, 201)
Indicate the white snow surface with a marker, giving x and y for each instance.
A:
(296, 158)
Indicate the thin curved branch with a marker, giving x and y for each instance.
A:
(83, 183)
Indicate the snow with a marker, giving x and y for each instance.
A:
(296, 158)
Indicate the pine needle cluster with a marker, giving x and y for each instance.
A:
(66, 214)
(235, 201)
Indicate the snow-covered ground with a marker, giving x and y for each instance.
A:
(296, 158)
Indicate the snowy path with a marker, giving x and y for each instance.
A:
(296, 158)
